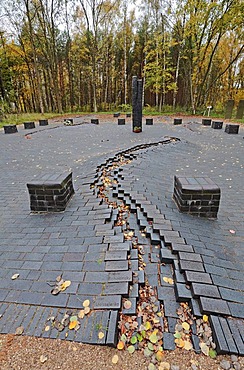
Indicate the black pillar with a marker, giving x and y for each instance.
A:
(136, 104)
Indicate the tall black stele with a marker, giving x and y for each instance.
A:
(136, 104)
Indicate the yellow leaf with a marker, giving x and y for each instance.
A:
(72, 324)
(179, 342)
(47, 328)
(159, 356)
(100, 335)
(120, 345)
(15, 276)
(127, 304)
(86, 303)
(81, 314)
(185, 325)
(164, 366)
(205, 318)
(115, 359)
(65, 285)
(187, 345)
(147, 325)
(87, 310)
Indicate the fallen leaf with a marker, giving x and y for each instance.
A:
(55, 290)
(177, 335)
(73, 318)
(43, 359)
(15, 276)
(164, 366)
(81, 314)
(59, 278)
(47, 328)
(147, 352)
(147, 326)
(212, 353)
(153, 338)
(123, 338)
(127, 304)
(87, 310)
(179, 342)
(72, 324)
(120, 345)
(151, 366)
(19, 330)
(205, 318)
(65, 285)
(115, 359)
(150, 346)
(232, 231)
(204, 349)
(133, 339)
(159, 356)
(100, 335)
(188, 345)
(86, 303)
(185, 325)
(168, 280)
(131, 349)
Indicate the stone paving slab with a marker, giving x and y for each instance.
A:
(40, 247)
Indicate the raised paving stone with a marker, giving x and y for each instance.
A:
(182, 247)
(182, 293)
(132, 309)
(165, 293)
(212, 305)
(169, 341)
(237, 330)
(112, 333)
(170, 308)
(166, 255)
(190, 265)
(116, 255)
(116, 288)
(120, 276)
(236, 309)
(109, 302)
(228, 336)
(218, 335)
(134, 291)
(205, 290)
(201, 277)
(190, 256)
(116, 266)
(119, 247)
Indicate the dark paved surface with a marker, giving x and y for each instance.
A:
(206, 255)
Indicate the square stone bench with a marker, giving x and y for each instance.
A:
(198, 196)
(232, 129)
(217, 125)
(51, 192)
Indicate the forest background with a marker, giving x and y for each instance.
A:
(80, 55)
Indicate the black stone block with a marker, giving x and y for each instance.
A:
(171, 324)
(115, 255)
(132, 310)
(134, 291)
(228, 336)
(177, 121)
(43, 122)
(232, 129)
(181, 247)
(236, 330)
(116, 266)
(95, 121)
(149, 121)
(128, 115)
(214, 306)
(111, 302)
(167, 256)
(116, 288)
(195, 342)
(166, 293)
(168, 341)
(116, 114)
(121, 121)
(10, 129)
(195, 308)
(217, 125)
(182, 293)
(29, 125)
(112, 334)
(191, 265)
(206, 122)
(205, 290)
(120, 276)
(218, 335)
(170, 308)
(202, 277)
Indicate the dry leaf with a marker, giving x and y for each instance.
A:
(131, 349)
(86, 303)
(19, 330)
(87, 310)
(188, 345)
(115, 359)
(164, 366)
(185, 325)
(179, 342)
(47, 328)
(127, 304)
(15, 276)
(81, 314)
(205, 318)
(55, 290)
(65, 285)
(43, 359)
(168, 280)
(120, 345)
(100, 335)
(232, 231)
(204, 349)
(72, 324)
